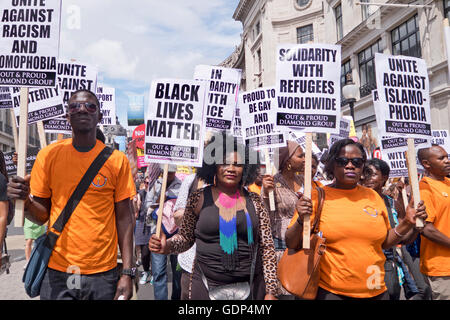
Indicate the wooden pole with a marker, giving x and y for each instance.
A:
(14, 129)
(404, 195)
(413, 178)
(269, 171)
(307, 190)
(41, 132)
(162, 199)
(22, 153)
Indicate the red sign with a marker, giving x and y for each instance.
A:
(139, 136)
(377, 153)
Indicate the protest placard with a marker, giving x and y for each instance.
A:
(72, 76)
(174, 124)
(5, 98)
(139, 136)
(300, 138)
(344, 131)
(43, 103)
(29, 43)
(403, 89)
(441, 138)
(222, 94)
(258, 113)
(237, 124)
(107, 98)
(11, 168)
(308, 87)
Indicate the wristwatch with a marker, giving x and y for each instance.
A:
(129, 272)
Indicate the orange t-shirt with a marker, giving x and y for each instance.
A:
(355, 224)
(255, 188)
(89, 239)
(435, 258)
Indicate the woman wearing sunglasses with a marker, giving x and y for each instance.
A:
(355, 223)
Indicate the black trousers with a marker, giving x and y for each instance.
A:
(323, 294)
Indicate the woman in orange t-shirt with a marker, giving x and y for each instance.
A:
(355, 223)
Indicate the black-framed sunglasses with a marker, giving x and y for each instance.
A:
(357, 162)
(75, 107)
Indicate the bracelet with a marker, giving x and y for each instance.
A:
(398, 234)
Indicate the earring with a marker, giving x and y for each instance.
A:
(289, 167)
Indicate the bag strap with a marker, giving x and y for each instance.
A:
(81, 189)
(321, 199)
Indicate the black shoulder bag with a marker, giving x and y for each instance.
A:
(37, 266)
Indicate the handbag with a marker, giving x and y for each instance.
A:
(37, 266)
(298, 269)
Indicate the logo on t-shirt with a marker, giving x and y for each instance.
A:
(371, 211)
(99, 180)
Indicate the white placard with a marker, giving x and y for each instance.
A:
(5, 98)
(43, 104)
(300, 138)
(308, 87)
(107, 98)
(258, 115)
(174, 127)
(344, 131)
(29, 42)
(223, 89)
(237, 125)
(72, 76)
(441, 138)
(403, 90)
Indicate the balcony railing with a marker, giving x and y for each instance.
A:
(366, 89)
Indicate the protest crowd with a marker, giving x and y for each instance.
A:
(241, 208)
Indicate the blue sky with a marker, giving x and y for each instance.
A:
(136, 41)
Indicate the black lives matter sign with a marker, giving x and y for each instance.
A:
(308, 87)
(29, 42)
(403, 94)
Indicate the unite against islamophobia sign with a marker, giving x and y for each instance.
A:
(308, 87)
(403, 90)
(223, 89)
(257, 109)
(29, 43)
(174, 127)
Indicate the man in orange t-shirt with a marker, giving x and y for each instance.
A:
(101, 221)
(435, 241)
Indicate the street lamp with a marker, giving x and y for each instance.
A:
(350, 92)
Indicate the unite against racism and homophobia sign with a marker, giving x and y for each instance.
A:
(29, 42)
(308, 87)
(5, 98)
(107, 98)
(72, 76)
(174, 127)
(223, 89)
(403, 89)
(43, 103)
(257, 109)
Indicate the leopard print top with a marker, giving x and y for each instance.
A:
(185, 238)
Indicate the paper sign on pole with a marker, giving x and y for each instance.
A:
(237, 124)
(257, 109)
(5, 98)
(222, 89)
(403, 90)
(43, 103)
(29, 43)
(107, 98)
(300, 138)
(441, 138)
(308, 87)
(174, 125)
(344, 131)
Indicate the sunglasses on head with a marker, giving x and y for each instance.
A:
(75, 107)
(357, 162)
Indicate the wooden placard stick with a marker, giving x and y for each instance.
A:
(269, 171)
(22, 153)
(14, 129)
(307, 189)
(413, 178)
(41, 132)
(404, 195)
(162, 199)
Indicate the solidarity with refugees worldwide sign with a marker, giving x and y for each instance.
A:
(223, 89)
(43, 103)
(257, 109)
(308, 87)
(403, 89)
(5, 98)
(72, 76)
(107, 98)
(174, 127)
(29, 43)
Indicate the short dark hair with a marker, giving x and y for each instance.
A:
(334, 151)
(423, 153)
(89, 92)
(380, 165)
(208, 170)
(314, 157)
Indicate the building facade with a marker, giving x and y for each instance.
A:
(361, 30)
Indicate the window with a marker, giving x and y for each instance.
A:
(305, 34)
(365, 9)
(345, 69)
(366, 62)
(256, 30)
(339, 28)
(302, 3)
(406, 39)
(259, 61)
(447, 9)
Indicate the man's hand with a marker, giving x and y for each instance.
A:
(124, 288)
(19, 188)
